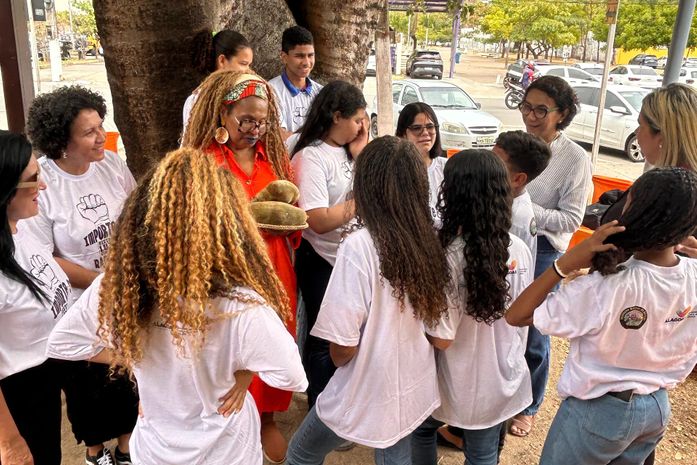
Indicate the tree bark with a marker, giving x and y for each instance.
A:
(342, 31)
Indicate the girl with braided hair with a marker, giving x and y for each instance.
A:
(388, 281)
(631, 325)
(235, 120)
(187, 305)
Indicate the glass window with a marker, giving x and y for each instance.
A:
(396, 90)
(634, 97)
(556, 72)
(611, 100)
(447, 97)
(409, 96)
(587, 95)
(616, 70)
(578, 74)
(644, 72)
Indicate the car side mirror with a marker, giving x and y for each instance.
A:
(478, 105)
(619, 110)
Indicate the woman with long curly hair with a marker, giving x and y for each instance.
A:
(187, 305)
(87, 186)
(235, 120)
(388, 281)
(482, 376)
(632, 325)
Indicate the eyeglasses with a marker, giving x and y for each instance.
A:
(30, 184)
(249, 125)
(419, 128)
(540, 112)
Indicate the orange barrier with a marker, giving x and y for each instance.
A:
(452, 152)
(602, 184)
(111, 143)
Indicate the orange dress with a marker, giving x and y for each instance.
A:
(279, 248)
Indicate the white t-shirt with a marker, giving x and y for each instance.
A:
(483, 377)
(293, 103)
(632, 330)
(25, 320)
(389, 387)
(186, 111)
(524, 224)
(77, 213)
(435, 179)
(324, 175)
(179, 396)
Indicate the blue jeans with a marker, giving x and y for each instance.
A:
(537, 349)
(606, 430)
(314, 440)
(481, 447)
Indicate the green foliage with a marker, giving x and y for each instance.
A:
(439, 25)
(84, 22)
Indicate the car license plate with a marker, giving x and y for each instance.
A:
(485, 140)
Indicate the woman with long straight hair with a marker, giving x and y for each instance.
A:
(34, 295)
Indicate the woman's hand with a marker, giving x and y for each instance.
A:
(233, 400)
(358, 144)
(581, 255)
(15, 452)
(688, 247)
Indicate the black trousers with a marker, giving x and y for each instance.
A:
(33, 397)
(313, 274)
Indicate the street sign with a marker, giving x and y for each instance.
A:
(611, 14)
(38, 10)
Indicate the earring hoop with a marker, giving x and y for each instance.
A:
(221, 135)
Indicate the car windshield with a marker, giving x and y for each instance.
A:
(447, 97)
(428, 55)
(634, 97)
(644, 71)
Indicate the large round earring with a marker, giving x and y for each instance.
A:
(221, 135)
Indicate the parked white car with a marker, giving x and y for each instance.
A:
(571, 74)
(594, 69)
(688, 76)
(462, 124)
(635, 75)
(619, 125)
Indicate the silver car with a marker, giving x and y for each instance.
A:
(619, 125)
(462, 124)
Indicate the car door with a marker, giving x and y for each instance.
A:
(583, 125)
(578, 76)
(612, 128)
(409, 95)
(397, 89)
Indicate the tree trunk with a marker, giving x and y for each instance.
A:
(342, 31)
(147, 54)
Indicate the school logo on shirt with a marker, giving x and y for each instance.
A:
(533, 227)
(299, 115)
(633, 317)
(513, 268)
(682, 314)
(347, 168)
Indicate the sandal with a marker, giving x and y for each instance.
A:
(523, 425)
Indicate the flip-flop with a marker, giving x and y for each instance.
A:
(523, 423)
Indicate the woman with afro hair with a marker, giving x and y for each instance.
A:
(86, 188)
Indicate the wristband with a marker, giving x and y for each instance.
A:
(558, 271)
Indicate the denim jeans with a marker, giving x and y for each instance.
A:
(481, 447)
(314, 440)
(537, 349)
(606, 430)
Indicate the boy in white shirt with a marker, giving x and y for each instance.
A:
(525, 156)
(294, 88)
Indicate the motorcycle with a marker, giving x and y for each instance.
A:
(514, 95)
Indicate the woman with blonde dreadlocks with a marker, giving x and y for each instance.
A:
(235, 120)
(186, 304)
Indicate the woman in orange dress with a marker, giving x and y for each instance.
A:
(235, 120)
